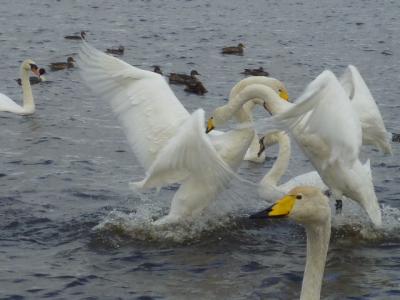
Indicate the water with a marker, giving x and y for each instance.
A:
(70, 226)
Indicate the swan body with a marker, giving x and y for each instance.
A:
(332, 141)
(168, 142)
(310, 208)
(28, 106)
(268, 186)
(373, 128)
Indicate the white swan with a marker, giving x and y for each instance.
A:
(332, 141)
(28, 107)
(268, 186)
(252, 153)
(168, 142)
(309, 207)
(373, 128)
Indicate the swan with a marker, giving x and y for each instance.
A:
(332, 141)
(268, 185)
(169, 143)
(28, 107)
(309, 207)
(274, 105)
(373, 128)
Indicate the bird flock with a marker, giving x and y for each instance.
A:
(330, 121)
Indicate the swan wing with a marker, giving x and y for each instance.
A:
(188, 155)
(323, 120)
(7, 104)
(373, 128)
(145, 105)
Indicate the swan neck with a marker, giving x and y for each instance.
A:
(281, 163)
(28, 102)
(317, 249)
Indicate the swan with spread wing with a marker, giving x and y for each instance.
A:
(332, 141)
(168, 142)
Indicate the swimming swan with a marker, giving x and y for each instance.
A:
(28, 106)
(168, 142)
(332, 141)
(309, 207)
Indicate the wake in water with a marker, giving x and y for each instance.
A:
(229, 212)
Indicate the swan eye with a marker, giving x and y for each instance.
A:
(299, 197)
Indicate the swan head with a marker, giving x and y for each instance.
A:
(30, 65)
(219, 117)
(305, 204)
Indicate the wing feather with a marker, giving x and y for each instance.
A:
(373, 128)
(189, 153)
(145, 105)
(323, 115)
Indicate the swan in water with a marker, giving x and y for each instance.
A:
(28, 106)
(268, 185)
(168, 142)
(310, 208)
(332, 141)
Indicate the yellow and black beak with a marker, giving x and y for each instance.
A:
(210, 125)
(280, 209)
(284, 95)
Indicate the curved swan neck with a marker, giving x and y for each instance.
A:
(317, 249)
(281, 163)
(28, 102)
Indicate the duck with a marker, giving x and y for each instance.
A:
(256, 72)
(396, 137)
(35, 79)
(169, 143)
(195, 87)
(117, 51)
(157, 69)
(177, 78)
(57, 66)
(238, 50)
(332, 141)
(309, 207)
(28, 106)
(76, 37)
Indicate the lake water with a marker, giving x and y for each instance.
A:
(70, 227)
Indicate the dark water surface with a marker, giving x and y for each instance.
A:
(70, 227)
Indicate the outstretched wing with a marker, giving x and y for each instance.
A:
(145, 105)
(373, 128)
(323, 119)
(189, 153)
